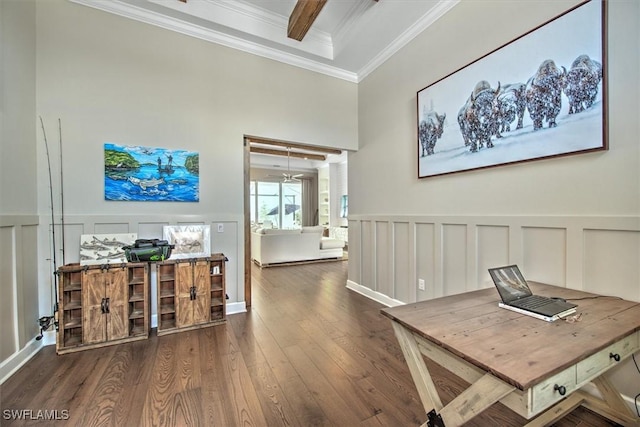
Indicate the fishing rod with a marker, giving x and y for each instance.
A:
(61, 195)
(45, 321)
(55, 312)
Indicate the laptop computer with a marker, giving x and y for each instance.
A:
(515, 292)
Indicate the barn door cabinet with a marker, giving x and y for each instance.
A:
(102, 305)
(191, 293)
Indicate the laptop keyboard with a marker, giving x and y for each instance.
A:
(533, 301)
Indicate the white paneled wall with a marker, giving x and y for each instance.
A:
(26, 268)
(150, 227)
(19, 290)
(388, 254)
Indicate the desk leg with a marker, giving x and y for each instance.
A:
(483, 392)
(612, 407)
(419, 372)
(611, 395)
(475, 399)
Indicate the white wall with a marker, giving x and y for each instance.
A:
(18, 205)
(112, 79)
(571, 221)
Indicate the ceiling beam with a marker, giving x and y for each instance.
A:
(271, 152)
(292, 145)
(302, 17)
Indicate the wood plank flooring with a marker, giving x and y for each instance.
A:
(309, 353)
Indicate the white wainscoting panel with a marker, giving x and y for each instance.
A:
(150, 227)
(402, 262)
(111, 228)
(424, 260)
(544, 255)
(383, 259)
(355, 249)
(492, 245)
(612, 263)
(454, 259)
(151, 230)
(368, 246)
(389, 253)
(8, 315)
(19, 303)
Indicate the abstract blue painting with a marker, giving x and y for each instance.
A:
(133, 173)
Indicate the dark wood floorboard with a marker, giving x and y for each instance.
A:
(308, 353)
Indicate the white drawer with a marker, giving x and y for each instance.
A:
(592, 366)
(545, 394)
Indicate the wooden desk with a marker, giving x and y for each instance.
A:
(531, 366)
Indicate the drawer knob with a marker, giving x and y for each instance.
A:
(615, 356)
(560, 389)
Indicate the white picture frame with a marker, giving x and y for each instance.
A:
(191, 241)
(99, 249)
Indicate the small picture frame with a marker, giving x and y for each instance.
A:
(99, 249)
(191, 241)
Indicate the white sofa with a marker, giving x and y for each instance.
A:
(275, 246)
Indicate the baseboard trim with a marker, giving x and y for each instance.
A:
(11, 365)
(371, 294)
(236, 307)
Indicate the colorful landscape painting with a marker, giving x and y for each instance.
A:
(133, 173)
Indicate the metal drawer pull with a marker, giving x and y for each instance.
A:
(615, 356)
(560, 389)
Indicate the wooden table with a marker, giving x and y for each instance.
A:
(535, 368)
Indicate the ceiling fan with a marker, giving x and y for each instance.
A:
(288, 177)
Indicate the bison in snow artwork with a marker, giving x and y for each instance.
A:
(544, 94)
(429, 130)
(516, 114)
(582, 83)
(538, 96)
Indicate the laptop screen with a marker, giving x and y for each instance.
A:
(510, 283)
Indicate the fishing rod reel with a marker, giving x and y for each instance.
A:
(45, 323)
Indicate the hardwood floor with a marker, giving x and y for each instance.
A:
(309, 353)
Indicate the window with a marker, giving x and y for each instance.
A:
(278, 202)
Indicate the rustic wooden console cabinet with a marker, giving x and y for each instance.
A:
(101, 305)
(191, 293)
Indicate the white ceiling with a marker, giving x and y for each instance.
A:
(348, 40)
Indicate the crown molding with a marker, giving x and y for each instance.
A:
(180, 26)
(412, 32)
(269, 22)
(252, 20)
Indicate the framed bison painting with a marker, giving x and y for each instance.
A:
(542, 95)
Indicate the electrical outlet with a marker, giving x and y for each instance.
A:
(421, 284)
(220, 228)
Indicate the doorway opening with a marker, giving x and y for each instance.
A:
(298, 160)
